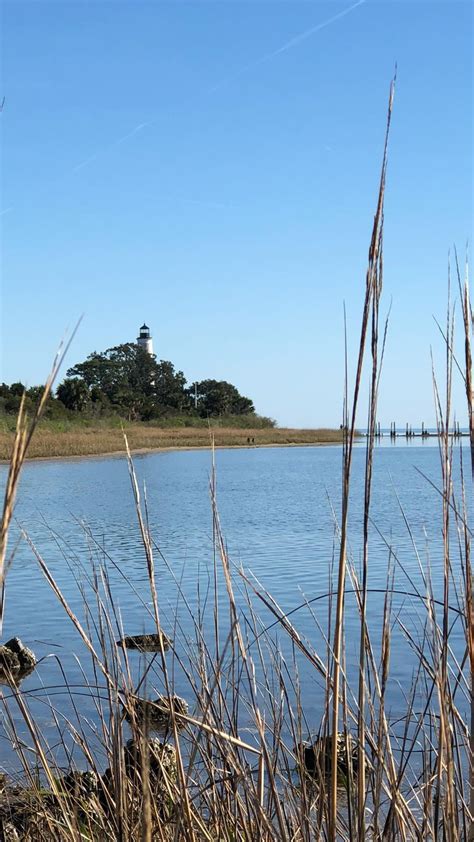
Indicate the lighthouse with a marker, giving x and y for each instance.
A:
(144, 339)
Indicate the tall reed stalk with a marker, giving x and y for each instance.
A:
(468, 324)
(369, 316)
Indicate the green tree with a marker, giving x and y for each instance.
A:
(128, 381)
(100, 404)
(169, 388)
(132, 381)
(123, 375)
(217, 397)
(34, 393)
(74, 394)
(17, 389)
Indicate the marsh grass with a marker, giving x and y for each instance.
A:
(99, 440)
(238, 767)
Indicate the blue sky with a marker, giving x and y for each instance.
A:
(212, 167)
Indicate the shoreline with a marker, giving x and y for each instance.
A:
(145, 451)
(103, 442)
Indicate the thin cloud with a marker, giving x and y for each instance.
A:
(7, 210)
(288, 45)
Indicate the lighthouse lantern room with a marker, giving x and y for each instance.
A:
(144, 339)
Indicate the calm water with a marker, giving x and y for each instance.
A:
(277, 510)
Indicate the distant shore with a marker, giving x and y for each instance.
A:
(90, 442)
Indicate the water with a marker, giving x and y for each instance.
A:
(278, 509)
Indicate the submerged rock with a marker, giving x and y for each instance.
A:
(146, 642)
(16, 661)
(156, 714)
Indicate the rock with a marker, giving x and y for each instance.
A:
(25, 656)
(161, 762)
(20, 813)
(316, 757)
(84, 792)
(161, 758)
(84, 784)
(156, 714)
(8, 832)
(9, 662)
(146, 642)
(16, 661)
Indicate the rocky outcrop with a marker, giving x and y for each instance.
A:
(16, 661)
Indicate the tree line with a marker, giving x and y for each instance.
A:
(128, 382)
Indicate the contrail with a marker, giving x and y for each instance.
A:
(130, 134)
(293, 42)
(115, 143)
(288, 45)
(85, 162)
(304, 35)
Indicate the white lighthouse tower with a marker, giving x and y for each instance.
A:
(144, 339)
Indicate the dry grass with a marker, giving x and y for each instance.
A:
(95, 441)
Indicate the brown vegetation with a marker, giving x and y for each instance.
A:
(95, 441)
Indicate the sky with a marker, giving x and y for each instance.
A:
(211, 168)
